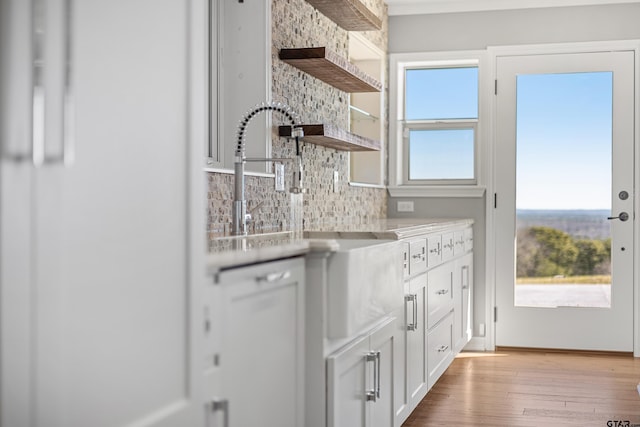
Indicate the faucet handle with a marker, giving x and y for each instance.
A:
(297, 131)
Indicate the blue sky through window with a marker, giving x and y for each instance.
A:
(441, 154)
(564, 141)
(441, 93)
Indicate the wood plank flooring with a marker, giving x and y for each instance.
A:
(533, 389)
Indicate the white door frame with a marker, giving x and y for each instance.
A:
(543, 49)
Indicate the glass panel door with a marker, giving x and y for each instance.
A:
(564, 166)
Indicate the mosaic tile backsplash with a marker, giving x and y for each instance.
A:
(295, 23)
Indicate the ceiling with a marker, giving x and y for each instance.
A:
(414, 7)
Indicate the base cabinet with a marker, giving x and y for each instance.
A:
(256, 376)
(360, 380)
(438, 278)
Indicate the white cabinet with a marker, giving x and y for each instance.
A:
(256, 375)
(439, 293)
(416, 357)
(101, 224)
(438, 274)
(463, 284)
(439, 349)
(360, 380)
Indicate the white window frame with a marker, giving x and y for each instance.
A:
(399, 183)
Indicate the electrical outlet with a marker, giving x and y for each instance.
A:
(336, 178)
(481, 330)
(406, 206)
(279, 169)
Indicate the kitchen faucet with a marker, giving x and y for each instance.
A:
(239, 212)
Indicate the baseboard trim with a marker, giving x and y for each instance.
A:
(565, 351)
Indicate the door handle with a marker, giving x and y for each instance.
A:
(623, 216)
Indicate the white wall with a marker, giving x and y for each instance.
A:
(479, 30)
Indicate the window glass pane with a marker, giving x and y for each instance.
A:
(441, 154)
(441, 93)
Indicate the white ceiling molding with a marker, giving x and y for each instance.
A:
(418, 7)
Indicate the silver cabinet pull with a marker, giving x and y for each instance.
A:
(443, 348)
(378, 371)
(374, 393)
(465, 275)
(274, 277)
(38, 101)
(222, 406)
(414, 299)
(442, 292)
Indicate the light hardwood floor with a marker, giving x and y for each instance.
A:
(526, 388)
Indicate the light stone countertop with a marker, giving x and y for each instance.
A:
(388, 228)
(231, 252)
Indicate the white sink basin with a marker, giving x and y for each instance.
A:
(364, 284)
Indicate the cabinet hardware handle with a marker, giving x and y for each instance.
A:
(465, 275)
(377, 383)
(415, 312)
(371, 394)
(417, 256)
(38, 94)
(223, 406)
(274, 277)
(442, 292)
(374, 393)
(443, 348)
(414, 299)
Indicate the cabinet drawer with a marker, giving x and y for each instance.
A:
(434, 247)
(447, 246)
(439, 294)
(417, 256)
(439, 352)
(468, 239)
(459, 242)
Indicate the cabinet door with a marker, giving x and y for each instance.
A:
(440, 293)
(463, 280)
(382, 345)
(360, 380)
(404, 316)
(347, 385)
(416, 343)
(116, 267)
(260, 358)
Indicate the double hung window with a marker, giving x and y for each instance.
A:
(436, 132)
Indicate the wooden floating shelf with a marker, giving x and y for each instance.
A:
(330, 68)
(352, 15)
(333, 137)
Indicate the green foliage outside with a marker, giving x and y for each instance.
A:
(548, 252)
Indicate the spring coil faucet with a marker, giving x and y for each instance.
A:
(239, 212)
